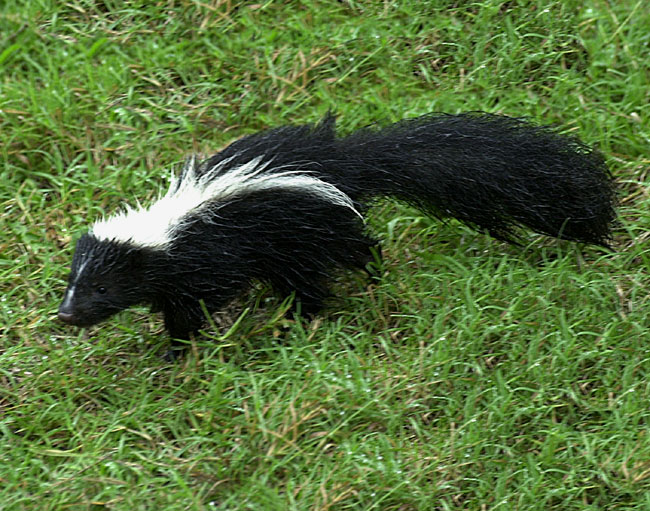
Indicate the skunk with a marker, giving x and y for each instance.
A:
(286, 206)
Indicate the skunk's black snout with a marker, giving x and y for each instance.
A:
(72, 315)
(66, 317)
(66, 311)
(70, 312)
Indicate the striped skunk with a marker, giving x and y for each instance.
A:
(286, 206)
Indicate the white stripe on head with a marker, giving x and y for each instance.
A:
(72, 285)
(79, 272)
(156, 226)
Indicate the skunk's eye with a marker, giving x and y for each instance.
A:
(101, 290)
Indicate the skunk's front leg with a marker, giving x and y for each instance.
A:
(182, 319)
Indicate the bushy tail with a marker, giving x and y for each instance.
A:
(494, 173)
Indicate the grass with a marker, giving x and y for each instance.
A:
(473, 375)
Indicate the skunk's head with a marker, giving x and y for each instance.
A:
(105, 278)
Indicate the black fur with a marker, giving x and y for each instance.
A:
(496, 174)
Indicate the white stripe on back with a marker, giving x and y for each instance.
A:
(156, 226)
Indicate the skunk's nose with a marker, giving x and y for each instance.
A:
(66, 317)
(66, 311)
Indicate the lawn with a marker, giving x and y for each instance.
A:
(473, 375)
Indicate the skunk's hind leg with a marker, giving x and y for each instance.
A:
(309, 278)
(310, 291)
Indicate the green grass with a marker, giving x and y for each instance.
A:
(474, 375)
